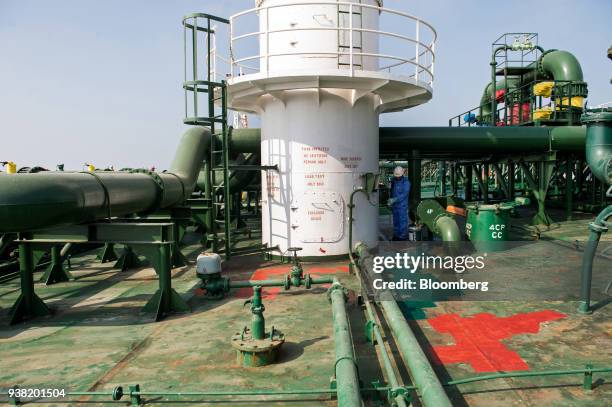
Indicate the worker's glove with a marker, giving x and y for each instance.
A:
(391, 201)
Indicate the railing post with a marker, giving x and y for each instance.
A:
(350, 39)
(433, 61)
(267, 34)
(231, 46)
(416, 67)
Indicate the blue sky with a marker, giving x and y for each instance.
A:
(100, 81)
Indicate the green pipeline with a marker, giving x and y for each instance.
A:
(421, 372)
(347, 378)
(435, 217)
(239, 180)
(557, 65)
(466, 141)
(485, 101)
(36, 201)
(477, 141)
(599, 144)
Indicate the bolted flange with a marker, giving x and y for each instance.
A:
(254, 346)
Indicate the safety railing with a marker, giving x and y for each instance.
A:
(522, 106)
(416, 61)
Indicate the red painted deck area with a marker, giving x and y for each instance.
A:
(478, 338)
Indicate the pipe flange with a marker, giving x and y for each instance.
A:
(540, 64)
(597, 228)
(117, 393)
(161, 189)
(337, 286)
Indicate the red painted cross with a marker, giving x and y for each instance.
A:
(478, 338)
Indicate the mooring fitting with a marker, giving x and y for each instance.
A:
(256, 347)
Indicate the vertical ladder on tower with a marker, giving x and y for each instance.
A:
(350, 16)
(217, 193)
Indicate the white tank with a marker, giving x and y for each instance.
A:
(319, 83)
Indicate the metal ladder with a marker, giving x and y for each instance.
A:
(344, 17)
(217, 195)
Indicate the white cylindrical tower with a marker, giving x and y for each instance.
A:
(319, 88)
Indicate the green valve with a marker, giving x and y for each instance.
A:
(254, 346)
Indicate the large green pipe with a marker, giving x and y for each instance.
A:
(239, 179)
(468, 140)
(599, 158)
(435, 217)
(423, 376)
(599, 144)
(347, 379)
(557, 65)
(488, 94)
(429, 386)
(36, 201)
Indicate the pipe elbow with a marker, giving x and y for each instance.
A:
(599, 144)
(192, 151)
(561, 66)
(448, 229)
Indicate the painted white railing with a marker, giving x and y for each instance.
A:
(418, 55)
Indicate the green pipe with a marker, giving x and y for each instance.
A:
(399, 398)
(597, 227)
(475, 141)
(258, 322)
(599, 158)
(43, 200)
(435, 217)
(599, 144)
(277, 283)
(448, 229)
(465, 141)
(560, 66)
(423, 376)
(239, 180)
(347, 379)
(528, 374)
(351, 206)
(429, 387)
(235, 393)
(488, 96)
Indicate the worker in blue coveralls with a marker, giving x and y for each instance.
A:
(400, 189)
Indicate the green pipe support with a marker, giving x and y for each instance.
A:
(347, 378)
(47, 199)
(396, 393)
